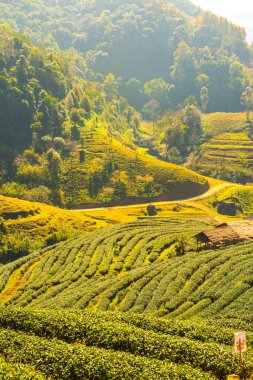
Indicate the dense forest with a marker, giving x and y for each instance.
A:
(43, 108)
(78, 77)
(158, 50)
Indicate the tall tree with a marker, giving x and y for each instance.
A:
(54, 169)
(247, 101)
(158, 89)
(204, 97)
(152, 110)
(183, 72)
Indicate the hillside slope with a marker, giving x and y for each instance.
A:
(139, 41)
(229, 144)
(114, 346)
(224, 147)
(32, 225)
(115, 171)
(146, 266)
(75, 143)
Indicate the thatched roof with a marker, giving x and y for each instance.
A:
(244, 229)
(227, 232)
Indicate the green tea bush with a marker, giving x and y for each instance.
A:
(121, 336)
(63, 361)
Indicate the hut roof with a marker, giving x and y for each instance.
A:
(244, 229)
(227, 232)
(218, 235)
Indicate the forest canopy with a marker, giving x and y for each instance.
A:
(141, 41)
(73, 74)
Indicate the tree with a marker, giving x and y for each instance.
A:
(183, 72)
(158, 89)
(75, 133)
(204, 97)
(54, 169)
(132, 91)
(119, 190)
(22, 70)
(110, 87)
(247, 101)
(174, 156)
(77, 116)
(191, 117)
(151, 210)
(203, 80)
(152, 110)
(147, 182)
(3, 229)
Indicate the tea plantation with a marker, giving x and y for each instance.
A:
(91, 307)
(89, 345)
(147, 266)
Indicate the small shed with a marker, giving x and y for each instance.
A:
(225, 234)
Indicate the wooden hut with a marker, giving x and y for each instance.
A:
(225, 234)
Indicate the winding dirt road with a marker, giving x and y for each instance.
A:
(207, 194)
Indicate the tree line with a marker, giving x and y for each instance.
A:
(159, 50)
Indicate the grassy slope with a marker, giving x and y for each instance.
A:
(244, 195)
(229, 144)
(39, 221)
(220, 122)
(131, 163)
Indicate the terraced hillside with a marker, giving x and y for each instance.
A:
(147, 266)
(32, 225)
(113, 162)
(231, 148)
(221, 122)
(240, 195)
(228, 153)
(86, 345)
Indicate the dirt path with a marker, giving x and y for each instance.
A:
(207, 194)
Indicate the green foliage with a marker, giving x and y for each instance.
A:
(152, 110)
(56, 101)
(247, 101)
(30, 226)
(3, 227)
(196, 44)
(147, 266)
(204, 96)
(64, 361)
(17, 371)
(116, 334)
(228, 144)
(158, 89)
(182, 133)
(123, 251)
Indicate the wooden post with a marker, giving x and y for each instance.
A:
(241, 358)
